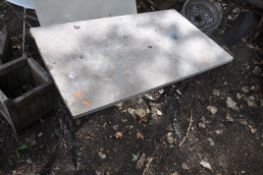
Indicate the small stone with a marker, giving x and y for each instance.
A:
(257, 70)
(251, 97)
(56, 168)
(252, 129)
(140, 100)
(134, 157)
(251, 101)
(239, 96)
(102, 155)
(236, 10)
(141, 161)
(161, 91)
(31, 141)
(219, 131)
(212, 109)
(230, 17)
(205, 164)
(203, 119)
(40, 134)
(149, 97)
(245, 89)
(158, 112)
(229, 118)
(211, 141)
(124, 120)
(131, 111)
(178, 92)
(118, 135)
(140, 113)
(243, 122)
(148, 111)
(119, 105)
(99, 172)
(170, 138)
(251, 46)
(185, 166)
(116, 127)
(175, 173)
(201, 125)
(253, 88)
(216, 92)
(139, 136)
(231, 103)
(29, 161)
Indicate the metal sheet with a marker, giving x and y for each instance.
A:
(61, 11)
(97, 63)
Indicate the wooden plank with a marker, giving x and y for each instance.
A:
(61, 11)
(3, 45)
(97, 63)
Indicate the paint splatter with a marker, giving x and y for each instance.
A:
(87, 103)
(204, 60)
(77, 94)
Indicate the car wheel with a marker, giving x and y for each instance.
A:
(204, 14)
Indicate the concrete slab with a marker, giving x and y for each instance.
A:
(61, 11)
(97, 63)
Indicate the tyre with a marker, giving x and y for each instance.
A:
(204, 14)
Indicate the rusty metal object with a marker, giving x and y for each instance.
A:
(26, 92)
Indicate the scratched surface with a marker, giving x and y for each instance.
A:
(97, 63)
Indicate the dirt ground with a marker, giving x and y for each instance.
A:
(211, 124)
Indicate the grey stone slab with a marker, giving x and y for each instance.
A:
(97, 63)
(61, 11)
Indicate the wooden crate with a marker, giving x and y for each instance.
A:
(26, 92)
(5, 54)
